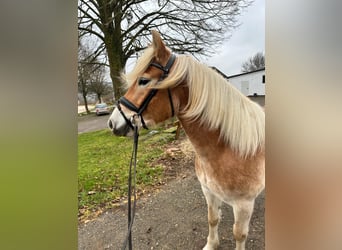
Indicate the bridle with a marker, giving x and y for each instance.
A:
(139, 110)
(133, 125)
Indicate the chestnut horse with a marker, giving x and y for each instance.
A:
(225, 128)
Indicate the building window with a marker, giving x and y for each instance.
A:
(263, 79)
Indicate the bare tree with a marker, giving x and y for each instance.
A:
(83, 73)
(254, 63)
(89, 71)
(98, 85)
(122, 27)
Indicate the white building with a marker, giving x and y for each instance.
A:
(250, 83)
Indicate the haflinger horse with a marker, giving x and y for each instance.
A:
(226, 129)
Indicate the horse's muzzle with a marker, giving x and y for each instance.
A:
(121, 131)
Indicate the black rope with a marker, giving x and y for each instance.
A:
(131, 210)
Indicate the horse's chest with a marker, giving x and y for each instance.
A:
(212, 175)
(226, 178)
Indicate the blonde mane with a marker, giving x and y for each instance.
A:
(140, 67)
(217, 103)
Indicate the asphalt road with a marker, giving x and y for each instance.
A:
(92, 122)
(172, 219)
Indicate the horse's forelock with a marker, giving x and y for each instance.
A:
(141, 66)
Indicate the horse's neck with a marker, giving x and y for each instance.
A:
(203, 140)
(199, 135)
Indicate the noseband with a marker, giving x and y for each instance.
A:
(139, 110)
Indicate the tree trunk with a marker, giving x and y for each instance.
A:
(116, 61)
(115, 70)
(114, 43)
(86, 104)
(99, 97)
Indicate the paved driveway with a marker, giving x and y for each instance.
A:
(92, 123)
(173, 218)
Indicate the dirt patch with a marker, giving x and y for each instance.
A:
(178, 160)
(173, 216)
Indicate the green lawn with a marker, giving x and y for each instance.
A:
(103, 163)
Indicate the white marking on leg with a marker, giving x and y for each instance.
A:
(214, 217)
(242, 214)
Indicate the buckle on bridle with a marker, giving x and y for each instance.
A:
(135, 120)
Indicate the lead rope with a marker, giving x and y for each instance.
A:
(131, 211)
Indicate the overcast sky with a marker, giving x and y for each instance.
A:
(246, 40)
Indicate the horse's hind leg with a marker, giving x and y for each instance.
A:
(214, 216)
(242, 214)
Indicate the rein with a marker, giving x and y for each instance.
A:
(131, 210)
(132, 123)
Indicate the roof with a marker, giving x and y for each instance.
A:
(232, 76)
(219, 71)
(246, 73)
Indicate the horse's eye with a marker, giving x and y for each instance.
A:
(143, 81)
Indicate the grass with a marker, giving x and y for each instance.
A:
(103, 163)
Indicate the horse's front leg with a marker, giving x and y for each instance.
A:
(214, 216)
(242, 214)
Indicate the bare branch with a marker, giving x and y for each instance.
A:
(254, 63)
(95, 21)
(187, 26)
(92, 8)
(92, 32)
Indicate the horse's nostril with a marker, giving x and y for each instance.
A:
(110, 124)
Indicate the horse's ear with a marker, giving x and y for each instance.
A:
(160, 50)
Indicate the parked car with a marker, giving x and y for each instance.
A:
(101, 108)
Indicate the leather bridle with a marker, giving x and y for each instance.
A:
(139, 110)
